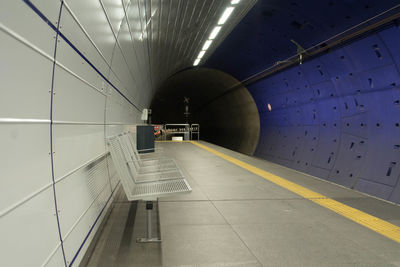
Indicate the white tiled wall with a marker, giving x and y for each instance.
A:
(84, 110)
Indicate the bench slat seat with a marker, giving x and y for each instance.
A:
(160, 188)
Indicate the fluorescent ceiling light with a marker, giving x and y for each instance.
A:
(196, 62)
(234, 2)
(225, 15)
(214, 32)
(201, 54)
(207, 44)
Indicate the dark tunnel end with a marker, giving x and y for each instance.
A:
(229, 119)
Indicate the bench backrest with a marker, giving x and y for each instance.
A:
(131, 139)
(133, 165)
(131, 148)
(121, 164)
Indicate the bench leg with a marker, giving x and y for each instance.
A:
(149, 239)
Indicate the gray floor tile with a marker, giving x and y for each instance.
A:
(261, 211)
(299, 244)
(196, 194)
(204, 245)
(223, 169)
(193, 213)
(223, 180)
(232, 192)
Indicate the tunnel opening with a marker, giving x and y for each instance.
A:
(230, 120)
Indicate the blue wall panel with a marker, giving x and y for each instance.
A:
(338, 116)
(264, 36)
(392, 41)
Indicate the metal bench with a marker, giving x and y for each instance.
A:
(158, 164)
(147, 187)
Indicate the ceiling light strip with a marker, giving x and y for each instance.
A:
(207, 44)
(228, 11)
(201, 54)
(224, 17)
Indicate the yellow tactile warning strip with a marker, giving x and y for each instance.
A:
(378, 225)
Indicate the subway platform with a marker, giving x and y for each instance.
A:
(245, 211)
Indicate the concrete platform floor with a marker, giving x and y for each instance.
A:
(236, 218)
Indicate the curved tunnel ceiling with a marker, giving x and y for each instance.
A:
(175, 31)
